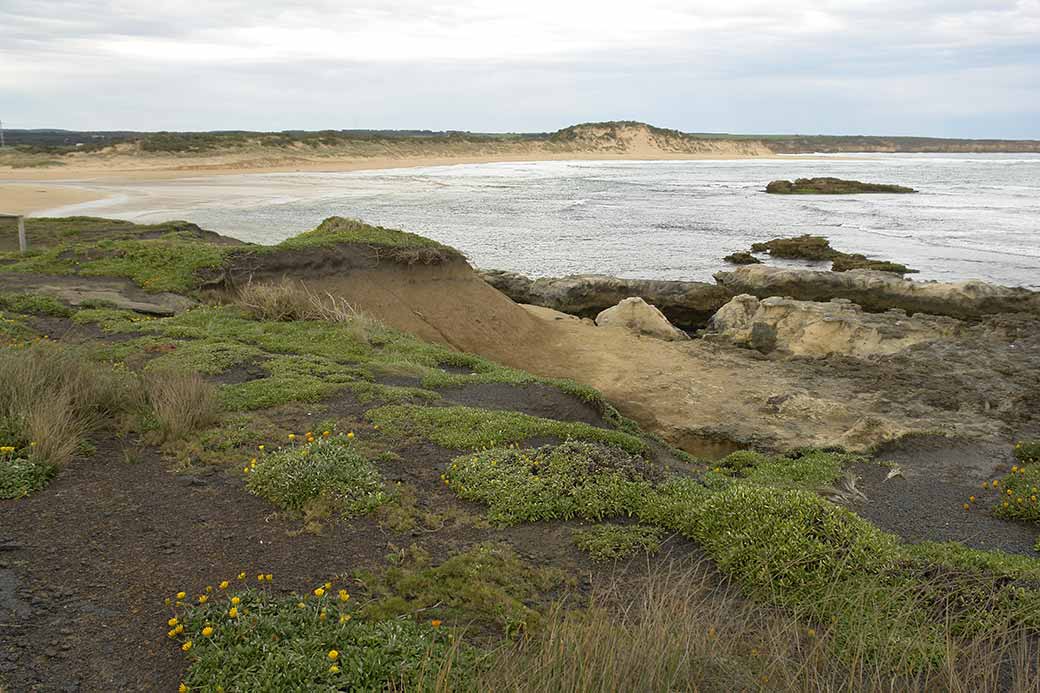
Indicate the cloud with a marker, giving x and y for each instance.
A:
(536, 65)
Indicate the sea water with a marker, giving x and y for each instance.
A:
(975, 217)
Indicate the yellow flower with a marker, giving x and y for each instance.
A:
(245, 470)
(233, 613)
(182, 689)
(292, 436)
(971, 499)
(209, 589)
(334, 669)
(326, 434)
(172, 622)
(6, 448)
(333, 655)
(203, 599)
(224, 584)
(301, 605)
(260, 577)
(350, 435)
(436, 623)
(186, 646)
(269, 577)
(320, 592)
(179, 628)
(207, 631)
(181, 595)
(241, 576)
(328, 585)
(322, 616)
(260, 448)
(1014, 467)
(343, 618)
(812, 632)
(171, 633)
(343, 596)
(967, 507)
(236, 601)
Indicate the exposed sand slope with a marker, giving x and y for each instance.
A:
(685, 391)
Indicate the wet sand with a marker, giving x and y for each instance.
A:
(37, 197)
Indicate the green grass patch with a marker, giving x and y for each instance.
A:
(467, 428)
(611, 542)
(309, 643)
(209, 357)
(488, 586)
(338, 230)
(37, 304)
(326, 474)
(575, 479)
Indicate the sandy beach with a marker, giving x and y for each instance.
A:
(39, 188)
(33, 198)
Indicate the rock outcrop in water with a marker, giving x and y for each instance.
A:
(818, 249)
(686, 304)
(809, 328)
(881, 291)
(636, 315)
(831, 186)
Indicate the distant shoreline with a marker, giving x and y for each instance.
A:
(30, 191)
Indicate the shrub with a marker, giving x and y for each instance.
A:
(610, 542)
(287, 644)
(325, 472)
(20, 476)
(574, 479)
(1028, 451)
(182, 402)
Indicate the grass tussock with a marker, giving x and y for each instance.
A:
(288, 300)
(182, 402)
(684, 628)
(51, 398)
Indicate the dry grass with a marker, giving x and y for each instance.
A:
(53, 396)
(684, 629)
(182, 403)
(287, 300)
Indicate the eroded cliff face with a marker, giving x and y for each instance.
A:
(881, 291)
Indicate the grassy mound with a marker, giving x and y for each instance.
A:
(467, 428)
(487, 587)
(575, 479)
(831, 186)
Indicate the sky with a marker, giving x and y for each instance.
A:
(906, 67)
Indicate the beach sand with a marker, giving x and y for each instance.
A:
(36, 197)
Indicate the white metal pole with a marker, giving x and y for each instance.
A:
(23, 244)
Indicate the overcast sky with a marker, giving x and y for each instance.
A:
(948, 68)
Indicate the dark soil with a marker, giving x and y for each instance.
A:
(535, 399)
(938, 476)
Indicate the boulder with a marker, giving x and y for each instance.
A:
(640, 317)
(807, 328)
(881, 291)
(686, 304)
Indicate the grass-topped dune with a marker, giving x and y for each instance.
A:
(273, 490)
(832, 186)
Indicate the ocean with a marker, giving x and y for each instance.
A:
(976, 216)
